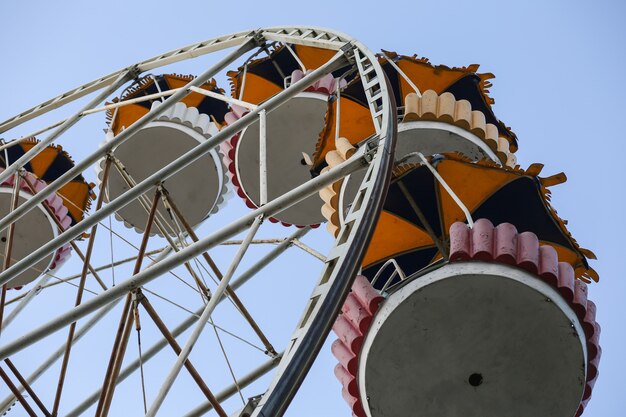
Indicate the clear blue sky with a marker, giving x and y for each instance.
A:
(559, 67)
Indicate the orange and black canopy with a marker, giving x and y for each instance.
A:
(355, 120)
(465, 83)
(127, 115)
(50, 164)
(262, 78)
(488, 191)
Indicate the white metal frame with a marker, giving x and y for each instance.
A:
(340, 264)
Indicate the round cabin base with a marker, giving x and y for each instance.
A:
(197, 189)
(473, 340)
(31, 232)
(292, 129)
(430, 137)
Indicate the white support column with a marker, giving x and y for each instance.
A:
(196, 249)
(69, 122)
(204, 318)
(119, 139)
(159, 176)
(263, 157)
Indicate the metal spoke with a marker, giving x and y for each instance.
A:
(79, 297)
(165, 172)
(206, 314)
(229, 291)
(177, 349)
(17, 393)
(186, 324)
(28, 388)
(126, 321)
(309, 250)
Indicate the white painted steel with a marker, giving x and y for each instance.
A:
(158, 176)
(403, 75)
(182, 327)
(202, 321)
(291, 129)
(336, 269)
(263, 157)
(177, 259)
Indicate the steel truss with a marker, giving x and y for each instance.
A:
(340, 264)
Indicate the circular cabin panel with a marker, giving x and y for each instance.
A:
(31, 232)
(473, 340)
(292, 129)
(430, 137)
(195, 189)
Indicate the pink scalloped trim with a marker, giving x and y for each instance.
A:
(327, 85)
(56, 204)
(504, 244)
(486, 243)
(350, 327)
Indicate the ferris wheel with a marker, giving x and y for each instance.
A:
(162, 171)
(203, 219)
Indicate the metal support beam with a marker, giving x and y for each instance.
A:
(126, 133)
(229, 291)
(243, 382)
(117, 356)
(204, 318)
(17, 393)
(182, 327)
(159, 176)
(69, 122)
(177, 349)
(28, 388)
(285, 201)
(262, 157)
(79, 294)
(126, 322)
